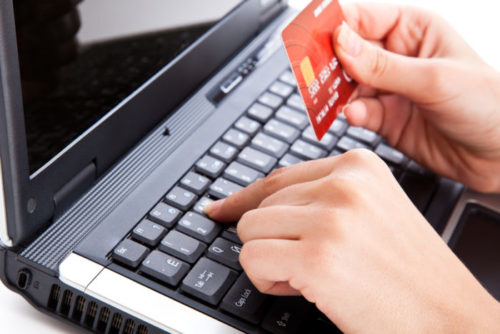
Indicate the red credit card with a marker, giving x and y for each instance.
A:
(323, 84)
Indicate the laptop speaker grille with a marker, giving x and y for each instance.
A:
(92, 314)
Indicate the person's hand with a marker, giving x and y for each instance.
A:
(341, 232)
(423, 89)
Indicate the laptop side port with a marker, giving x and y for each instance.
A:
(23, 279)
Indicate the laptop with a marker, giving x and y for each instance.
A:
(120, 120)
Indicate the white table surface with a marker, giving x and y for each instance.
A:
(476, 20)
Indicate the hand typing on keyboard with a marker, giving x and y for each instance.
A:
(425, 90)
(340, 231)
(367, 259)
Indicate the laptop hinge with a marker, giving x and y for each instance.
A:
(65, 196)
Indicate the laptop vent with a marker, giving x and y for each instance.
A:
(91, 314)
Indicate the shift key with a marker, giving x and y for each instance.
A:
(244, 300)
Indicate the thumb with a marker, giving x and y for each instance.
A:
(378, 68)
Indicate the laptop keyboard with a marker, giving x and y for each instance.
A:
(177, 245)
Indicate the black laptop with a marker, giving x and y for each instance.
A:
(117, 128)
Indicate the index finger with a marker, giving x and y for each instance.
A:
(372, 21)
(234, 206)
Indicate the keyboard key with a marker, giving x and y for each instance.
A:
(307, 151)
(210, 166)
(347, 143)
(391, 155)
(281, 131)
(180, 198)
(201, 204)
(257, 160)
(420, 189)
(195, 182)
(335, 153)
(286, 315)
(295, 101)
(319, 323)
(148, 233)
(271, 100)
(417, 168)
(281, 89)
(293, 117)
(130, 253)
(287, 77)
(230, 234)
(289, 160)
(164, 267)
(198, 227)
(364, 135)
(222, 188)
(327, 142)
(247, 125)
(240, 174)
(208, 281)
(260, 112)
(224, 152)
(236, 138)
(165, 214)
(225, 252)
(269, 145)
(244, 300)
(338, 128)
(182, 246)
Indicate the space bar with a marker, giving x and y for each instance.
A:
(153, 307)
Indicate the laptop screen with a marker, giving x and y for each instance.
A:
(79, 59)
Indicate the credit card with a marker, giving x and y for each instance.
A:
(325, 87)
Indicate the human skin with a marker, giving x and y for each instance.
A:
(340, 231)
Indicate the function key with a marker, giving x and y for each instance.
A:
(247, 125)
(244, 300)
(223, 151)
(307, 151)
(199, 227)
(208, 281)
(195, 182)
(338, 128)
(222, 188)
(364, 135)
(288, 77)
(257, 160)
(286, 315)
(241, 174)
(271, 100)
(129, 253)
(148, 233)
(281, 89)
(236, 138)
(225, 252)
(180, 198)
(292, 117)
(182, 246)
(210, 166)
(164, 267)
(327, 142)
(347, 143)
(295, 101)
(260, 112)
(165, 214)
(281, 131)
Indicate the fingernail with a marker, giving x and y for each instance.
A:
(212, 208)
(349, 40)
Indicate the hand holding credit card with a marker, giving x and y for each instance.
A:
(323, 84)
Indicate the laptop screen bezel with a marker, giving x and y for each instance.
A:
(30, 199)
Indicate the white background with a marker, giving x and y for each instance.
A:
(477, 21)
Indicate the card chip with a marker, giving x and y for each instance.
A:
(307, 71)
